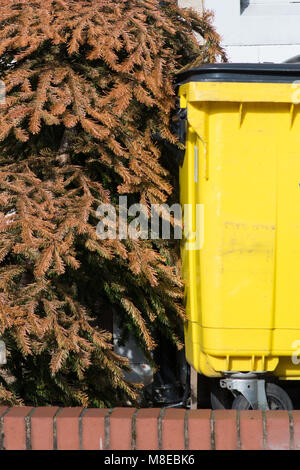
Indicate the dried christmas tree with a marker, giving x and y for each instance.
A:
(88, 85)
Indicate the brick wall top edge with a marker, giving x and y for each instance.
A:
(146, 429)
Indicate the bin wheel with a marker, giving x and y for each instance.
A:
(220, 399)
(277, 399)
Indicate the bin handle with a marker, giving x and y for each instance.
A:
(198, 129)
(205, 155)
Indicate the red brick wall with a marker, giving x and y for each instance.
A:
(146, 429)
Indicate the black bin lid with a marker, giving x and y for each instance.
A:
(258, 73)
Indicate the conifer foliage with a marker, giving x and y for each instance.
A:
(88, 84)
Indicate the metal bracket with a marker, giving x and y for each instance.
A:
(251, 387)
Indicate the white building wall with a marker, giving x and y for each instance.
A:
(255, 30)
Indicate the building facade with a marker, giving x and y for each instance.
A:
(255, 30)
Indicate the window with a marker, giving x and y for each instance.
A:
(268, 2)
(269, 7)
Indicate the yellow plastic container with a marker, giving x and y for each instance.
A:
(240, 193)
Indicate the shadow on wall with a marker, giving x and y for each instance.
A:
(244, 5)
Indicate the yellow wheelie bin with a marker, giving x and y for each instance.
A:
(240, 195)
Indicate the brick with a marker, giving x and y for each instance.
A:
(14, 428)
(67, 425)
(173, 429)
(277, 430)
(120, 436)
(42, 428)
(296, 421)
(147, 429)
(93, 429)
(225, 430)
(199, 429)
(251, 430)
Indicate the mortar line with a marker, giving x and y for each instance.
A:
(133, 430)
(212, 430)
(186, 430)
(80, 425)
(55, 429)
(238, 429)
(291, 428)
(159, 425)
(28, 429)
(264, 420)
(107, 429)
(2, 436)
